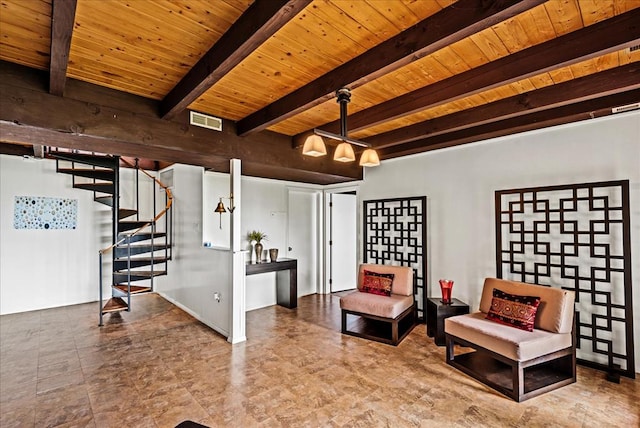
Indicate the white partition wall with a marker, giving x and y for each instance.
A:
(196, 274)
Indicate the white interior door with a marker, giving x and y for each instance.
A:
(303, 238)
(343, 246)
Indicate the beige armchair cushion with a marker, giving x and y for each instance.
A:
(402, 280)
(515, 344)
(555, 313)
(373, 304)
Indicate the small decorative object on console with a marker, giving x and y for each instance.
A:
(273, 254)
(257, 237)
(446, 285)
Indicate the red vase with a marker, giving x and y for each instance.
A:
(446, 285)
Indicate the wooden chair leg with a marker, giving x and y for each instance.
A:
(344, 321)
(518, 381)
(449, 348)
(394, 332)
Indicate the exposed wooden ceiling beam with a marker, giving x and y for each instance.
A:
(584, 110)
(30, 115)
(595, 40)
(63, 13)
(14, 134)
(16, 149)
(612, 81)
(448, 26)
(259, 22)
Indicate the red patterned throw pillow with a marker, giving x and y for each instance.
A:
(377, 283)
(513, 310)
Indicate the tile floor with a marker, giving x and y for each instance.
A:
(157, 366)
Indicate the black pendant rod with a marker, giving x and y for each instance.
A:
(344, 96)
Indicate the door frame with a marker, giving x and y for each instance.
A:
(326, 249)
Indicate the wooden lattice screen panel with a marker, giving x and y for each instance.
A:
(395, 233)
(576, 237)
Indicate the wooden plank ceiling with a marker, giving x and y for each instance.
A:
(424, 74)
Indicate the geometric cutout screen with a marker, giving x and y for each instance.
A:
(38, 212)
(395, 233)
(575, 237)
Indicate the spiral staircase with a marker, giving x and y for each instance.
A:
(140, 249)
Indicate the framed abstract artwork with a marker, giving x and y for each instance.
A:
(40, 212)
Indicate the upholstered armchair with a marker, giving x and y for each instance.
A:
(383, 304)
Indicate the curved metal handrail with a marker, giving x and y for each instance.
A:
(147, 224)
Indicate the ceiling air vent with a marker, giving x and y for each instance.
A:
(205, 121)
(628, 107)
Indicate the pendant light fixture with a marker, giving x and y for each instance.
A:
(344, 153)
(369, 158)
(314, 145)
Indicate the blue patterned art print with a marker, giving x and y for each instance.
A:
(39, 212)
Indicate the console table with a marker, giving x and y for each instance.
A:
(436, 314)
(286, 279)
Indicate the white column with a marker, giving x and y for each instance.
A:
(237, 332)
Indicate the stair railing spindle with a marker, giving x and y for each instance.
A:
(155, 209)
(138, 192)
(129, 274)
(153, 240)
(100, 284)
(166, 237)
(115, 215)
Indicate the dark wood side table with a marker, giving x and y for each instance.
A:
(436, 314)
(286, 279)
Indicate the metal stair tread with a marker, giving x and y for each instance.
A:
(155, 246)
(98, 187)
(106, 200)
(135, 289)
(87, 159)
(115, 304)
(143, 273)
(126, 212)
(100, 174)
(142, 236)
(143, 259)
(132, 224)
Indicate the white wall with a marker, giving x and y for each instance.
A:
(48, 268)
(145, 194)
(195, 273)
(265, 207)
(215, 227)
(460, 184)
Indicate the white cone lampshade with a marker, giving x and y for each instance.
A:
(344, 153)
(369, 158)
(314, 146)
